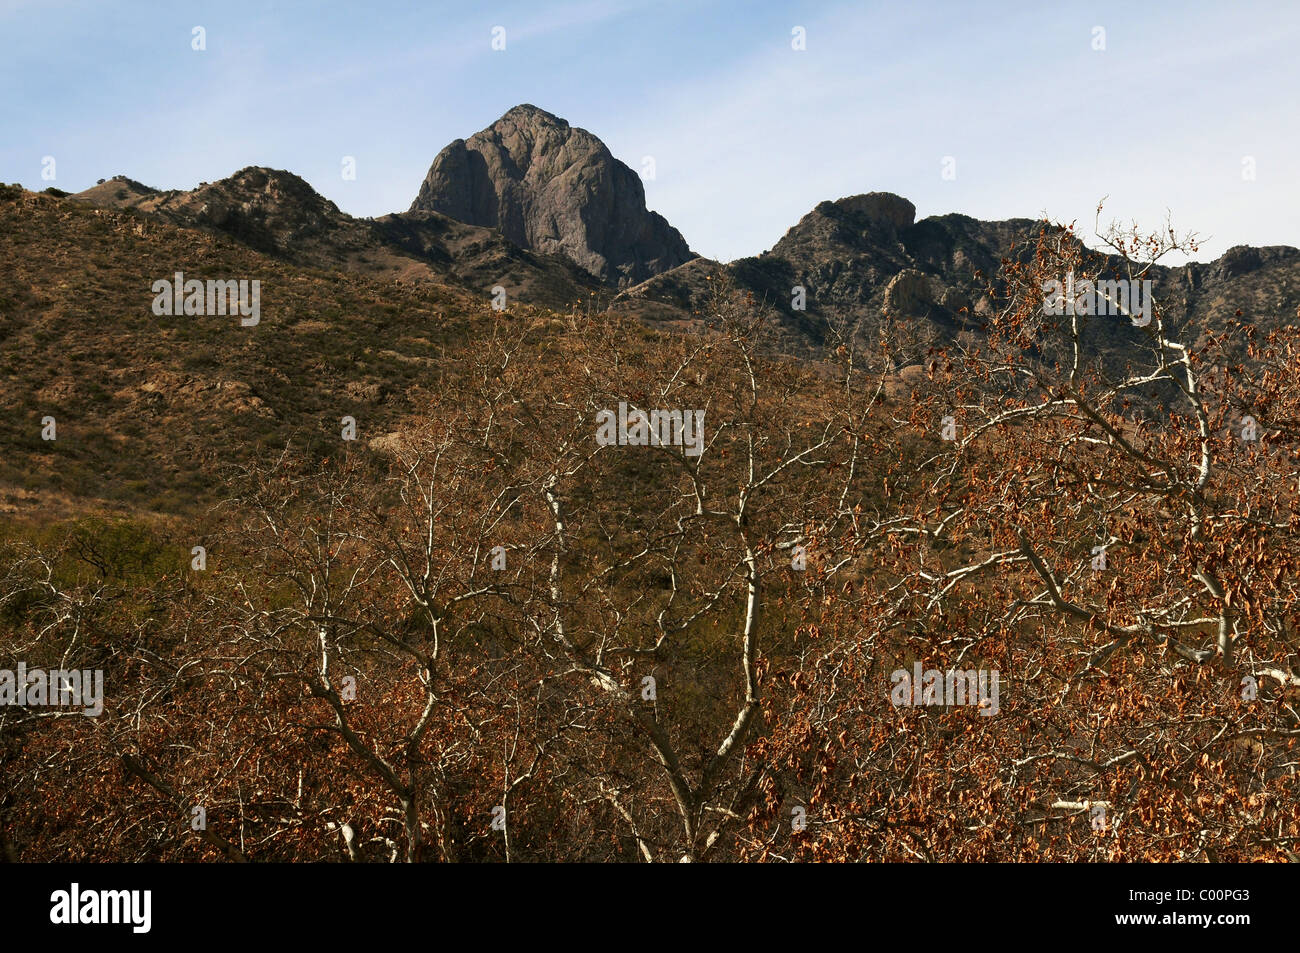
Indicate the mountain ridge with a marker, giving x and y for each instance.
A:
(860, 260)
(278, 213)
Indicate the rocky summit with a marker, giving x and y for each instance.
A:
(556, 189)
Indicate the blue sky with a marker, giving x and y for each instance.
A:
(747, 134)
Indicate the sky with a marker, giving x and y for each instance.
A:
(1181, 111)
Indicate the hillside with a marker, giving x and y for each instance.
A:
(148, 407)
(481, 632)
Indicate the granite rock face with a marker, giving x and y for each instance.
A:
(556, 189)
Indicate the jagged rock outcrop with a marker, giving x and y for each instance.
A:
(908, 294)
(844, 254)
(885, 207)
(553, 188)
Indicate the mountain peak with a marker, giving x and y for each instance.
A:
(527, 112)
(880, 206)
(553, 188)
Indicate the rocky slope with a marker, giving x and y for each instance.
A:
(859, 260)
